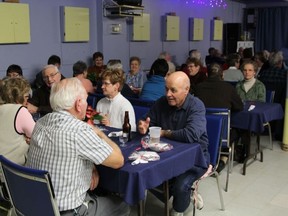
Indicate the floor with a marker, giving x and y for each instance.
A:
(263, 191)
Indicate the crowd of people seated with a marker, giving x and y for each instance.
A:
(175, 92)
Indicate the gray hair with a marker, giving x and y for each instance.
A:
(276, 58)
(49, 66)
(195, 54)
(64, 93)
(114, 64)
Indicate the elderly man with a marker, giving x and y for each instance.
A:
(69, 149)
(182, 118)
(40, 100)
(114, 105)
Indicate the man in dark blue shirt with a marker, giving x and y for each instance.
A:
(181, 117)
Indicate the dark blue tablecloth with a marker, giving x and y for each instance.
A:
(132, 181)
(253, 120)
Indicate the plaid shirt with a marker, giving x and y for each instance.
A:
(274, 75)
(68, 148)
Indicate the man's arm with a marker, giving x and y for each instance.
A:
(115, 159)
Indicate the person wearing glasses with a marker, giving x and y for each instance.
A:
(39, 103)
(16, 123)
(113, 106)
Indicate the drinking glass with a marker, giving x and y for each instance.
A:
(123, 138)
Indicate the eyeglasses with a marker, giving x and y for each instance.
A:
(106, 83)
(51, 76)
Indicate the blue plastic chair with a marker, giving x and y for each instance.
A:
(30, 190)
(269, 99)
(225, 113)
(215, 131)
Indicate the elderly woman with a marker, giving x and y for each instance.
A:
(136, 77)
(195, 73)
(113, 106)
(16, 123)
(250, 88)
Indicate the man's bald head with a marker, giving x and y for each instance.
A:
(177, 88)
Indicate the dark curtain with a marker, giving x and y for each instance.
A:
(272, 28)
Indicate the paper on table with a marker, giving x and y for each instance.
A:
(143, 157)
(251, 107)
(115, 134)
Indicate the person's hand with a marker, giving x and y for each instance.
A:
(143, 125)
(105, 120)
(94, 179)
(31, 108)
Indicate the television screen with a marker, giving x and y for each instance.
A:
(129, 2)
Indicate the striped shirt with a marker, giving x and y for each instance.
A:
(68, 149)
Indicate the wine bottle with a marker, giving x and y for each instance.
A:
(126, 128)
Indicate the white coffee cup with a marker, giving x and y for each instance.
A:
(154, 133)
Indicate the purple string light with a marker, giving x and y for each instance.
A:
(210, 3)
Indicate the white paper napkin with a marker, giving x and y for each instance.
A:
(115, 134)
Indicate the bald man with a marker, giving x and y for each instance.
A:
(181, 117)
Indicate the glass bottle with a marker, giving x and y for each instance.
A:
(126, 128)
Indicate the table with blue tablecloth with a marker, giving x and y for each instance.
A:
(132, 181)
(252, 120)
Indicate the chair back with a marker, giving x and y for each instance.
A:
(214, 131)
(270, 96)
(226, 114)
(30, 190)
(140, 112)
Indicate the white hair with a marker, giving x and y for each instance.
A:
(64, 93)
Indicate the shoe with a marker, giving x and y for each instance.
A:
(196, 199)
(221, 166)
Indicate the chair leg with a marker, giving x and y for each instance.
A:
(270, 136)
(166, 197)
(220, 192)
(228, 169)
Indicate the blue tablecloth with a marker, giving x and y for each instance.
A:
(132, 181)
(253, 120)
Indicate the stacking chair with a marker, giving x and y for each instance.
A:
(30, 190)
(269, 99)
(215, 131)
(225, 113)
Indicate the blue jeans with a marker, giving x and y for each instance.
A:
(180, 188)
